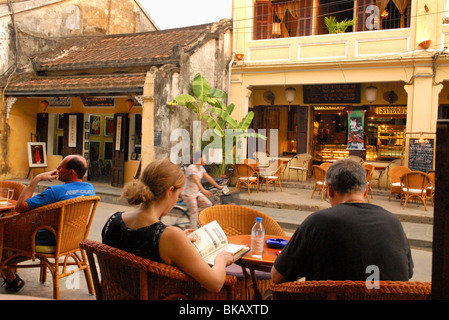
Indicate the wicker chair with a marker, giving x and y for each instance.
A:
(395, 175)
(325, 165)
(16, 186)
(318, 174)
(369, 170)
(414, 186)
(69, 220)
(355, 158)
(125, 276)
(300, 163)
(431, 187)
(239, 220)
(351, 290)
(246, 176)
(262, 159)
(272, 174)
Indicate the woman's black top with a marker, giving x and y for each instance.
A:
(143, 242)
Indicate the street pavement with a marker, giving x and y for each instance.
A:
(289, 208)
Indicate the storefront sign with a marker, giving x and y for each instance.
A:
(421, 155)
(390, 110)
(356, 123)
(328, 108)
(332, 93)
(97, 101)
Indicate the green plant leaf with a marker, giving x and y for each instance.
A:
(246, 122)
(200, 87)
(182, 100)
(216, 93)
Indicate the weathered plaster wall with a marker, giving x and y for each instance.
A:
(211, 60)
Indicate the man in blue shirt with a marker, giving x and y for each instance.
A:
(70, 171)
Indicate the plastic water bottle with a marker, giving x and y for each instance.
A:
(257, 238)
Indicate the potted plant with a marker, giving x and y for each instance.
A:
(333, 26)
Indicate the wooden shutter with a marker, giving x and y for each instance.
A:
(361, 14)
(263, 19)
(305, 15)
(78, 149)
(121, 135)
(42, 127)
(302, 130)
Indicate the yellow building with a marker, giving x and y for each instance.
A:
(372, 91)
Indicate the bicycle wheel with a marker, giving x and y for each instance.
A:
(177, 217)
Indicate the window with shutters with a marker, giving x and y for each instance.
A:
(282, 19)
(295, 18)
(382, 14)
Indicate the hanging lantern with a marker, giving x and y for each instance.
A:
(276, 29)
(290, 93)
(44, 104)
(371, 94)
(129, 103)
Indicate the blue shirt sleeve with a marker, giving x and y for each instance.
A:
(42, 199)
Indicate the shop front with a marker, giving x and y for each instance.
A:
(375, 133)
(333, 121)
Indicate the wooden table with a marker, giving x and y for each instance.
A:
(252, 263)
(7, 208)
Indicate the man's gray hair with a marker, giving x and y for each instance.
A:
(346, 176)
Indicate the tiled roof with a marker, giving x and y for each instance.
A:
(78, 84)
(120, 50)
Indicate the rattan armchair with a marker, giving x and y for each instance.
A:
(246, 176)
(239, 220)
(262, 159)
(16, 186)
(272, 174)
(319, 175)
(395, 174)
(300, 163)
(351, 290)
(121, 275)
(414, 186)
(431, 187)
(68, 220)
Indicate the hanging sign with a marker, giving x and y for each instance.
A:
(356, 124)
(118, 134)
(72, 131)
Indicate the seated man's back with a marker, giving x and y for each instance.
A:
(341, 242)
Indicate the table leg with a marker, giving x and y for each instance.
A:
(251, 281)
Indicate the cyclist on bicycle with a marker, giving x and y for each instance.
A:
(194, 194)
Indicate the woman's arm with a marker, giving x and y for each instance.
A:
(212, 181)
(176, 248)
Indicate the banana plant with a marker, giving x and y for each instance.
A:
(203, 95)
(207, 104)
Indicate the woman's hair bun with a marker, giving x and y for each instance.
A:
(137, 192)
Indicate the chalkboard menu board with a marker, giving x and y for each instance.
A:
(421, 155)
(332, 93)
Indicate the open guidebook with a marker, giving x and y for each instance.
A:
(211, 240)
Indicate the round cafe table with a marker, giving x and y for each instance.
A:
(252, 263)
(7, 208)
